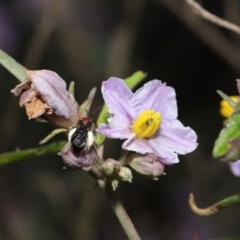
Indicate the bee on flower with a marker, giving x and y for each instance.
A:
(44, 95)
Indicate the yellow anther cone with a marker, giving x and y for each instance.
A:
(147, 123)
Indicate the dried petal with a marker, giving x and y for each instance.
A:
(22, 87)
(36, 108)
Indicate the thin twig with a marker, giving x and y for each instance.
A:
(207, 32)
(199, 10)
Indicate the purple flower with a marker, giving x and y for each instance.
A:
(235, 168)
(44, 95)
(147, 119)
(74, 159)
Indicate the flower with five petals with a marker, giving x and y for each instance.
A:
(147, 119)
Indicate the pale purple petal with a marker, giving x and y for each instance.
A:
(53, 90)
(117, 97)
(167, 155)
(157, 96)
(235, 167)
(151, 145)
(136, 144)
(177, 137)
(114, 131)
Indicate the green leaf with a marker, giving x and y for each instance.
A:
(102, 118)
(229, 201)
(227, 144)
(15, 156)
(13, 66)
(131, 82)
(85, 106)
(52, 134)
(71, 87)
(135, 79)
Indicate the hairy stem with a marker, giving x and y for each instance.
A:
(18, 155)
(121, 214)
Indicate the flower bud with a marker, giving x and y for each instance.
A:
(73, 159)
(148, 165)
(125, 174)
(116, 172)
(114, 184)
(111, 167)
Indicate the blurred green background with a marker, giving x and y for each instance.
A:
(87, 42)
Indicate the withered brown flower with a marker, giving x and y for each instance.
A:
(44, 94)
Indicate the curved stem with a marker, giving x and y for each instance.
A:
(121, 214)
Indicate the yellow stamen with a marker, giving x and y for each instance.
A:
(147, 123)
(225, 109)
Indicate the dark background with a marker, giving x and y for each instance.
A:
(89, 41)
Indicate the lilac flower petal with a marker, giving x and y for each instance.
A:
(139, 145)
(166, 154)
(53, 90)
(177, 137)
(235, 168)
(117, 97)
(144, 146)
(114, 131)
(157, 96)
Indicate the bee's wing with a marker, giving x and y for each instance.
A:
(85, 106)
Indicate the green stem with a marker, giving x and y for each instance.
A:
(18, 155)
(121, 214)
(15, 68)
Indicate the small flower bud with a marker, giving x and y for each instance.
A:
(148, 165)
(111, 167)
(116, 172)
(125, 174)
(114, 184)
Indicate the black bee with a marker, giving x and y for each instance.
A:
(82, 136)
